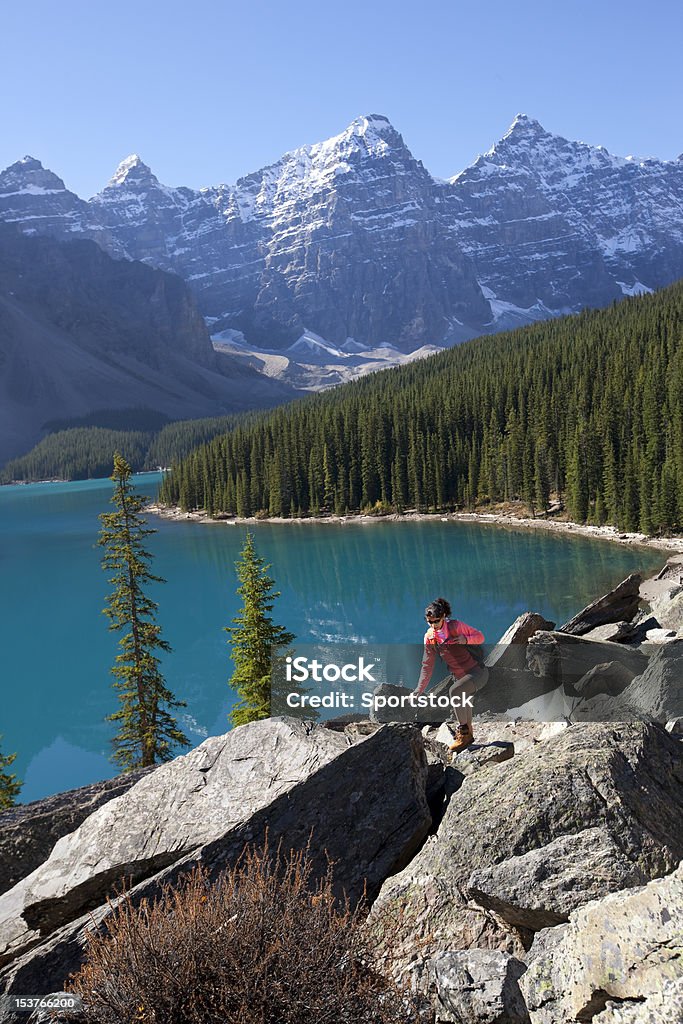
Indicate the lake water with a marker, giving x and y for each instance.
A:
(338, 582)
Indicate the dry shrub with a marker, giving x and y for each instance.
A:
(261, 945)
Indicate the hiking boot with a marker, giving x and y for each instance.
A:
(463, 739)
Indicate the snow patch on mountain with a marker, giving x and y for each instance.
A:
(637, 288)
(312, 363)
(506, 315)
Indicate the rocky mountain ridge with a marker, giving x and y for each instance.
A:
(354, 238)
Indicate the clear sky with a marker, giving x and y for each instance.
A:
(208, 90)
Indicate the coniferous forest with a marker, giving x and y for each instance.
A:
(588, 408)
(84, 452)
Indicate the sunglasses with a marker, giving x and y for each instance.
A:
(432, 622)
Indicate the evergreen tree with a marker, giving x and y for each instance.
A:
(147, 731)
(9, 786)
(253, 637)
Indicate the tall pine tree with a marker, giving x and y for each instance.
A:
(253, 637)
(147, 731)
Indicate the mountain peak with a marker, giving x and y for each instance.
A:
(370, 122)
(369, 135)
(27, 163)
(132, 171)
(525, 127)
(29, 173)
(372, 129)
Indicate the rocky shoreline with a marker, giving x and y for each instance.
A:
(610, 533)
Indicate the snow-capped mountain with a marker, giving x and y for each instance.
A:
(354, 241)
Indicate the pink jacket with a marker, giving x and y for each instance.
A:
(458, 659)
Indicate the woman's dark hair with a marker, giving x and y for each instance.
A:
(438, 608)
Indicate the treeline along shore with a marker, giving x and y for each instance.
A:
(585, 410)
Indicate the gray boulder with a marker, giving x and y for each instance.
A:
(565, 659)
(626, 946)
(511, 682)
(625, 780)
(477, 986)
(479, 755)
(540, 888)
(620, 604)
(611, 677)
(660, 635)
(509, 651)
(655, 694)
(29, 831)
(667, 606)
(611, 631)
(662, 1007)
(291, 778)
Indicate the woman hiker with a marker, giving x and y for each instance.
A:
(449, 637)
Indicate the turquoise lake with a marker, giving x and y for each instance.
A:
(338, 582)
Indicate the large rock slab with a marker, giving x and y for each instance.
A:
(625, 780)
(619, 605)
(611, 631)
(626, 946)
(477, 986)
(288, 777)
(29, 831)
(540, 888)
(511, 682)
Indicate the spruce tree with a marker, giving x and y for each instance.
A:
(147, 731)
(253, 637)
(9, 786)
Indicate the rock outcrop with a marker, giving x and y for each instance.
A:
(620, 604)
(29, 831)
(622, 782)
(626, 947)
(564, 659)
(285, 777)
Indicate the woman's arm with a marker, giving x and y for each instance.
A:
(469, 633)
(428, 661)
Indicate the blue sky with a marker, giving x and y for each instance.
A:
(207, 90)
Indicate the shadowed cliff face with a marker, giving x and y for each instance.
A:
(104, 305)
(80, 331)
